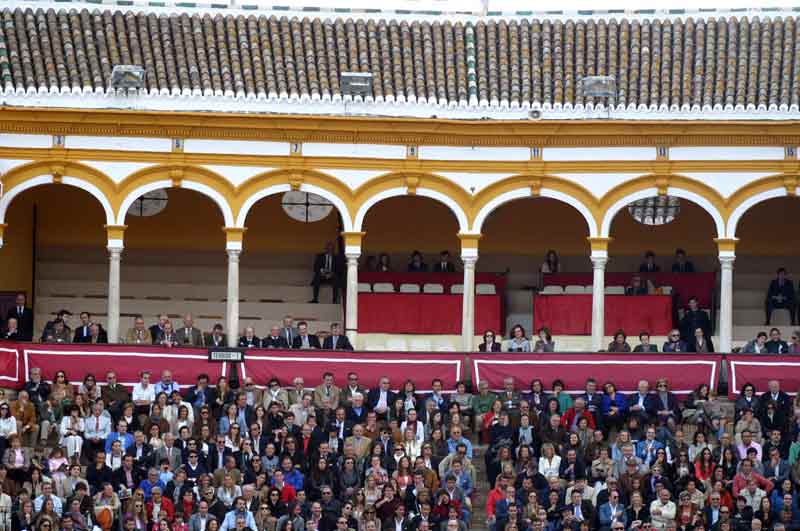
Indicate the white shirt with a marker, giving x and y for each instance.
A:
(144, 393)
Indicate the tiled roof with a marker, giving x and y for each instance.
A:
(670, 63)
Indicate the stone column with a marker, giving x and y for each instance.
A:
(233, 246)
(352, 252)
(727, 255)
(115, 246)
(599, 259)
(469, 256)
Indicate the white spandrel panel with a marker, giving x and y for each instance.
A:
(117, 171)
(353, 178)
(237, 175)
(473, 183)
(726, 183)
(599, 184)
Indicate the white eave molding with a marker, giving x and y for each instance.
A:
(284, 105)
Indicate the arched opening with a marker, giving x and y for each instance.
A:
(517, 236)
(645, 259)
(396, 227)
(764, 245)
(174, 260)
(285, 232)
(54, 240)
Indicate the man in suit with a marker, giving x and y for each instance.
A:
(83, 332)
(216, 338)
(304, 340)
(64, 316)
(96, 335)
(11, 333)
(141, 452)
(288, 330)
(674, 343)
(274, 339)
(249, 339)
(681, 264)
(217, 454)
(351, 389)
(336, 341)
(582, 510)
(360, 443)
(24, 317)
(188, 335)
(649, 265)
(612, 512)
(642, 403)
(695, 318)
(340, 424)
(327, 390)
(326, 270)
(170, 452)
(356, 412)
(138, 335)
(644, 344)
(444, 265)
(253, 395)
(780, 295)
(200, 394)
(381, 398)
(157, 330)
(200, 519)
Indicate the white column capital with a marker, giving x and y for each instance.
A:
(115, 247)
(599, 262)
(352, 256)
(469, 255)
(352, 251)
(726, 258)
(233, 254)
(469, 261)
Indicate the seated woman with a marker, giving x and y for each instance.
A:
(545, 342)
(701, 343)
(415, 263)
(620, 343)
(489, 344)
(384, 263)
(518, 341)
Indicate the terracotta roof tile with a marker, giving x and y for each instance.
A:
(729, 63)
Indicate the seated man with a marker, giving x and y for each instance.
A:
(780, 295)
(64, 315)
(83, 332)
(138, 335)
(637, 287)
(674, 342)
(327, 271)
(644, 344)
(303, 339)
(682, 264)
(157, 329)
(96, 335)
(776, 345)
(336, 341)
(216, 338)
(756, 346)
(188, 335)
(59, 333)
(274, 339)
(649, 265)
(11, 333)
(249, 339)
(444, 265)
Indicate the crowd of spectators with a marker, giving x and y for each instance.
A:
(165, 456)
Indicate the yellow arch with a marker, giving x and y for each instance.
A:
(276, 181)
(203, 180)
(674, 184)
(755, 192)
(33, 174)
(519, 186)
(412, 183)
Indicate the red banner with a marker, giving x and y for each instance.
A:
(421, 368)
(9, 366)
(684, 372)
(759, 370)
(571, 315)
(127, 361)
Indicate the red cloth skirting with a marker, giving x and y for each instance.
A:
(684, 285)
(420, 368)
(760, 369)
(413, 313)
(684, 371)
(572, 314)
